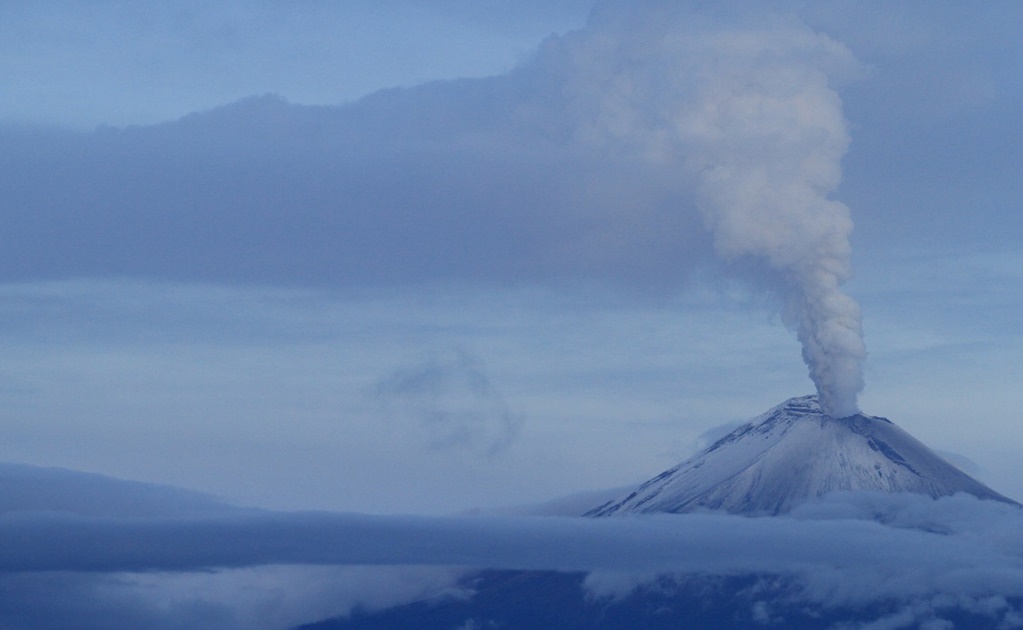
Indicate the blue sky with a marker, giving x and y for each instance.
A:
(394, 257)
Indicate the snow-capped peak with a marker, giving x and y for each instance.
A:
(794, 453)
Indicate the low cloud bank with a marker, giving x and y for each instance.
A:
(845, 550)
(957, 543)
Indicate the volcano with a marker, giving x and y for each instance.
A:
(787, 456)
(795, 453)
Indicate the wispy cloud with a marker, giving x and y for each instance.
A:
(451, 402)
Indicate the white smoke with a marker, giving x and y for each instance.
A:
(751, 118)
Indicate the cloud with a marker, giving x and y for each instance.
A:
(257, 598)
(566, 167)
(265, 596)
(452, 402)
(940, 543)
(713, 434)
(848, 550)
(845, 550)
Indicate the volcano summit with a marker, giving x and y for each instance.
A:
(795, 453)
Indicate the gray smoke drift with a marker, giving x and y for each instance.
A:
(750, 116)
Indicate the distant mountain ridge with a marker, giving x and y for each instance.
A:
(38, 489)
(795, 453)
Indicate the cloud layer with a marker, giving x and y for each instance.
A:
(847, 550)
(949, 537)
(580, 162)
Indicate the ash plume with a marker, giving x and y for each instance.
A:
(748, 113)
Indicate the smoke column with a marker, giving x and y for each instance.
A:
(750, 116)
(766, 141)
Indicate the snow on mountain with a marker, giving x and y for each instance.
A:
(794, 453)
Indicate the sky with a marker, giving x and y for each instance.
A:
(397, 258)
